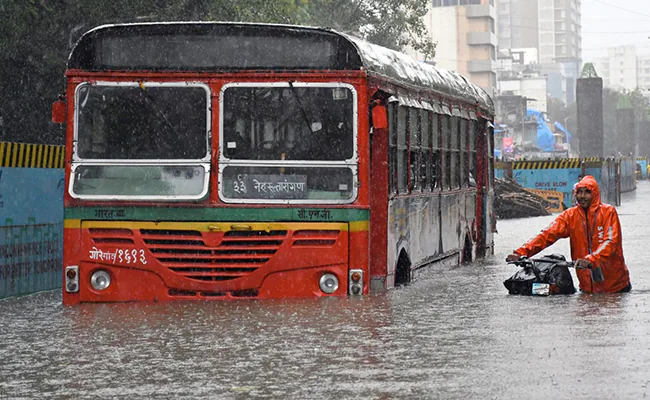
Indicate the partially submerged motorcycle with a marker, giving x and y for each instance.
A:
(543, 276)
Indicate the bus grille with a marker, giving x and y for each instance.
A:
(219, 256)
(236, 253)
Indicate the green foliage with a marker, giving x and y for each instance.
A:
(36, 37)
(611, 100)
(640, 104)
(560, 112)
(396, 24)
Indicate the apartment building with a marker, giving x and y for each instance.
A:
(465, 31)
(553, 27)
(624, 69)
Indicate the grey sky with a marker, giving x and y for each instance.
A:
(608, 23)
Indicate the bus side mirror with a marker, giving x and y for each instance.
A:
(379, 117)
(59, 112)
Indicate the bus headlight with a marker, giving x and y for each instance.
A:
(100, 280)
(355, 282)
(72, 279)
(328, 283)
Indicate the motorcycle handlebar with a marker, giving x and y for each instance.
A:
(521, 261)
(527, 262)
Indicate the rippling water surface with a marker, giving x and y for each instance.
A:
(453, 334)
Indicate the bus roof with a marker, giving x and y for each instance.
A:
(223, 46)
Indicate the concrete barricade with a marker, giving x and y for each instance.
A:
(613, 175)
(31, 218)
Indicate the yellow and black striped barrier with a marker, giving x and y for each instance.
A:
(548, 164)
(556, 164)
(553, 198)
(27, 155)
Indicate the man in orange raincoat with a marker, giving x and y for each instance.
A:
(594, 232)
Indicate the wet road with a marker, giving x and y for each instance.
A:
(454, 334)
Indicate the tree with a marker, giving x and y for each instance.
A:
(640, 104)
(36, 37)
(610, 101)
(562, 113)
(396, 24)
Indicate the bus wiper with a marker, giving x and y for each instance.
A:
(302, 110)
(304, 115)
(155, 105)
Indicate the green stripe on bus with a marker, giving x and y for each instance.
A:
(323, 214)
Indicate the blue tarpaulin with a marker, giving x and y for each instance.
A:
(545, 139)
(563, 129)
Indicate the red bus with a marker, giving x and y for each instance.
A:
(234, 160)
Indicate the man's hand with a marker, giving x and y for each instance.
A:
(582, 263)
(513, 257)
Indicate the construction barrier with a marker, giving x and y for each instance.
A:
(617, 175)
(27, 155)
(553, 197)
(31, 217)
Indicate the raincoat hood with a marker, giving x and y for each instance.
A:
(590, 183)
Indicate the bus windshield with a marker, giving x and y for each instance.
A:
(139, 140)
(138, 122)
(288, 142)
(289, 123)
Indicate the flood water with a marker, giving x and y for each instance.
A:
(453, 334)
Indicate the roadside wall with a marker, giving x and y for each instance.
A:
(610, 185)
(628, 174)
(616, 175)
(31, 218)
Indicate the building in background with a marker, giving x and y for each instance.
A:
(465, 31)
(624, 69)
(517, 24)
(520, 75)
(531, 86)
(523, 127)
(553, 27)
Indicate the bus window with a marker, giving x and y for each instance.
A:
(414, 149)
(288, 123)
(137, 122)
(455, 152)
(425, 153)
(472, 150)
(446, 153)
(288, 141)
(435, 145)
(120, 125)
(464, 172)
(402, 150)
(392, 147)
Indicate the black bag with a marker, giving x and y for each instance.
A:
(552, 269)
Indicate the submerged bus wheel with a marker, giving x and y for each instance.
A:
(403, 270)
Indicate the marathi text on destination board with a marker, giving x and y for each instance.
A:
(259, 186)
